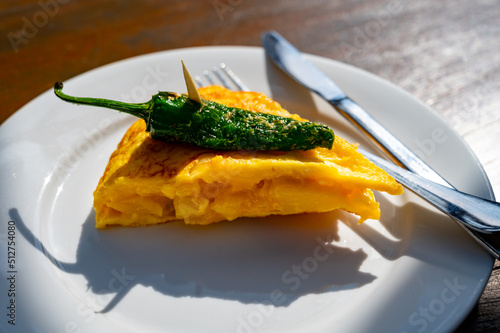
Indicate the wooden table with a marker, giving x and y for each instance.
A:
(445, 53)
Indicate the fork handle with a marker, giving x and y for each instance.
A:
(479, 217)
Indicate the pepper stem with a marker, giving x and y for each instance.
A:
(140, 110)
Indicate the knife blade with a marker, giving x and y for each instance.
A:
(292, 62)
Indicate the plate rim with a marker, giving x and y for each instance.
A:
(27, 106)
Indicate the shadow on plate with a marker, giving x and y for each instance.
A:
(273, 260)
(419, 231)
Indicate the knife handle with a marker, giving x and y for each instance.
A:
(479, 217)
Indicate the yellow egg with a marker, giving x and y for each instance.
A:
(149, 182)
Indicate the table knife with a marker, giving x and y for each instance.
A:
(479, 217)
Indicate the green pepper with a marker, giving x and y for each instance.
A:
(173, 117)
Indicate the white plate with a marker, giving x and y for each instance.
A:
(412, 271)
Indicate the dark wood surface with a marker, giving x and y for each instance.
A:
(446, 53)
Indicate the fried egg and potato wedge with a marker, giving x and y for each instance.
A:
(148, 182)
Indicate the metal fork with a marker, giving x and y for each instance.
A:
(225, 75)
(470, 211)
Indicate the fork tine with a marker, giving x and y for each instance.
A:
(221, 78)
(198, 81)
(208, 77)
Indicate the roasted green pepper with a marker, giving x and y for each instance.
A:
(172, 117)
